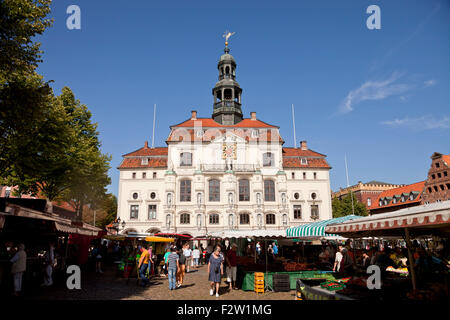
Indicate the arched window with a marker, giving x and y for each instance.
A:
(227, 70)
(270, 218)
(244, 218)
(214, 190)
(244, 190)
(269, 190)
(185, 218)
(214, 218)
(185, 190)
(186, 159)
(268, 159)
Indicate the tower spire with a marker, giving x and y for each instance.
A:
(227, 92)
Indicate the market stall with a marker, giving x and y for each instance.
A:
(407, 224)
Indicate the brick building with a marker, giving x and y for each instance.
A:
(366, 193)
(437, 186)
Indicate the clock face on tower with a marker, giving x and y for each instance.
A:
(229, 151)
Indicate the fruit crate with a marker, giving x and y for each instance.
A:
(332, 285)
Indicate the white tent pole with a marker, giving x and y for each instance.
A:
(293, 125)
(348, 184)
(154, 118)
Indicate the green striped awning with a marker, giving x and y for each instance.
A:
(317, 229)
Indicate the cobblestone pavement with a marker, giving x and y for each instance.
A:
(107, 286)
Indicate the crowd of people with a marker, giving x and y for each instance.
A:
(347, 261)
(178, 261)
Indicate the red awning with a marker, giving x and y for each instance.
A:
(426, 219)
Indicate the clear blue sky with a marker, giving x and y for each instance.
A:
(380, 96)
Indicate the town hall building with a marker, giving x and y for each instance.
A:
(225, 172)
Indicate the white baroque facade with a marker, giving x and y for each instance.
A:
(222, 173)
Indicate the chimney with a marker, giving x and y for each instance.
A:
(253, 115)
(193, 115)
(146, 145)
(303, 145)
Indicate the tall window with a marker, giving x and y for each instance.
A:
(244, 218)
(151, 211)
(214, 218)
(185, 218)
(144, 175)
(304, 175)
(270, 218)
(134, 175)
(186, 159)
(268, 159)
(134, 211)
(269, 190)
(297, 212)
(314, 211)
(185, 190)
(214, 190)
(315, 175)
(154, 175)
(244, 190)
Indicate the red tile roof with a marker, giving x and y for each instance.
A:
(311, 163)
(298, 152)
(446, 158)
(292, 158)
(155, 162)
(146, 151)
(211, 134)
(418, 186)
(210, 123)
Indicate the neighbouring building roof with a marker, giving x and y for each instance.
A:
(156, 158)
(415, 188)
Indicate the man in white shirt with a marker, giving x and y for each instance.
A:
(188, 254)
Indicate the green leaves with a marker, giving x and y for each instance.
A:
(48, 144)
(344, 207)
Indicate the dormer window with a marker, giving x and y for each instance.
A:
(144, 161)
(385, 202)
(380, 203)
(199, 133)
(403, 198)
(255, 134)
(186, 159)
(411, 196)
(394, 200)
(304, 161)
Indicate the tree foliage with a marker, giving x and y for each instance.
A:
(344, 207)
(49, 144)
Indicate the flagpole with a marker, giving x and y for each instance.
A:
(154, 117)
(348, 184)
(293, 125)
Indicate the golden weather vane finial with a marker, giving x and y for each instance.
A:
(227, 35)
